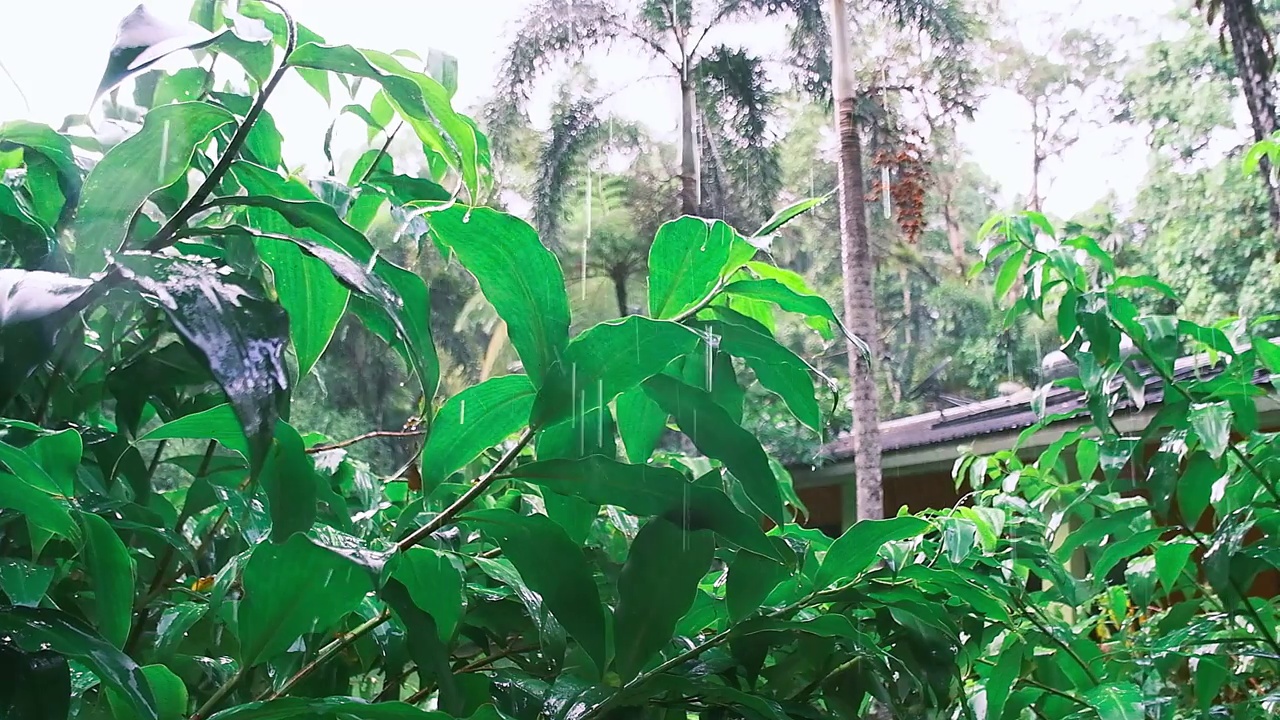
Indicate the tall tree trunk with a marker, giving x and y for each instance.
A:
(1249, 46)
(620, 291)
(690, 186)
(855, 254)
(955, 237)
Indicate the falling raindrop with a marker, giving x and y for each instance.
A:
(164, 151)
(587, 240)
(462, 412)
(600, 412)
(373, 260)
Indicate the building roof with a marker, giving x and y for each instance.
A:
(1014, 412)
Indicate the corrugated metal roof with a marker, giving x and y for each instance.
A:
(1014, 412)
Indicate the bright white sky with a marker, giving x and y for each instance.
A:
(58, 58)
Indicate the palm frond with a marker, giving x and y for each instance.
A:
(946, 22)
(736, 105)
(576, 129)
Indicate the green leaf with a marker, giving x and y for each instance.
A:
(116, 188)
(656, 588)
(217, 423)
(290, 482)
(32, 492)
(168, 689)
(23, 583)
(1117, 701)
(855, 550)
(607, 360)
(1212, 423)
(293, 588)
(421, 100)
(239, 336)
(686, 261)
(474, 420)
(33, 306)
(789, 213)
(566, 585)
(1122, 548)
(1171, 559)
(999, 683)
(958, 537)
(142, 40)
(398, 293)
(1210, 674)
(1268, 352)
(817, 311)
(39, 628)
(1195, 487)
(310, 295)
(428, 652)
(777, 368)
(650, 490)
(55, 149)
(717, 436)
(327, 708)
(751, 578)
(1009, 272)
(435, 584)
(518, 276)
(641, 422)
(111, 568)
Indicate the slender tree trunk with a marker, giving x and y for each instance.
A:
(620, 291)
(1253, 65)
(859, 301)
(955, 238)
(690, 187)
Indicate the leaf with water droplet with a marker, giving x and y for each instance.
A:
(494, 410)
(111, 569)
(686, 260)
(34, 305)
(223, 319)
(142, 40)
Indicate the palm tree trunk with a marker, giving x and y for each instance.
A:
(1253, 65)
(620, 291)
(690, 190)
(859, 302)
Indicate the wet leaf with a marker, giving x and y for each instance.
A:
(116, 188)
(435, 585)
(567, 585)
(751, 578)
(817, 312)
(717, 436)
(217, 423)
(474, 420)
(641, 423)
(686, 261)
(142, 40)
(168, 689)
(239, 336)
(787, 214)
(518, 276)
(856, 549)
(22, 582)
(293, 588)
(656, 588)
(777, 368)
(32, 492)
(108, 562)
(1212, 423)
(999, 682)
(33, 306)
(329, 708)
(1117, 701)
(290, 481)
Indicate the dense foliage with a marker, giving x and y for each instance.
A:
(176, 543)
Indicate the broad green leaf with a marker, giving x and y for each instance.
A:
(777, 368)
(1009, 272)
(116, 188)
(142, 40)
(607, 360)
(518, 275)
(40, 628)
(53, 147)
(293, 588)
(1268, 353)
(816, 310)
(1122, 548)
(421, 100)
(999, 682)
(326, 708)
(474, 420)
(435, 585)
(566, 585)
(290, 482)
(686, 261)
(1211, 673)
(23, 583)
(1195, 487)
(650, 490)
(33, 306)
(398, 293)
(425, 648)
(1171, 559)
(641, 422)
(1117, 701)
(855, 550)
(1212, 423)
(958, 537)
(751, 578)
(217, 423)
(656, 588)
(310, 295)
(789, 213)
(717, 436)
(37, 495)
(111, 568)
(240, 336)
(168, 689)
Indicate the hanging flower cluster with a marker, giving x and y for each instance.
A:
(903, 177)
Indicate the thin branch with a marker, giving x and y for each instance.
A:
(381, 154)
(367, 436)
(471, 494)
(328, 651)
(168, 234)
(212, 703)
